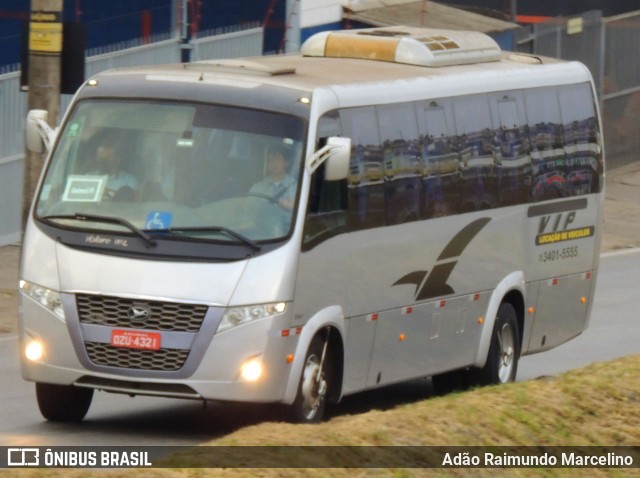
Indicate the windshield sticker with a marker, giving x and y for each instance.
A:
(158, 220)
(84, 188)
(46, 190)
(73, 130)
(184, 143)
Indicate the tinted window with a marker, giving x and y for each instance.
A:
(447, 156)
(513, 159)
(546, 137)
(366, 189)
(441, 158)
(479, 147)
(583, 159)
(401, 149)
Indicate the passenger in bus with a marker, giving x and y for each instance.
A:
(120, 185)
(278, 186)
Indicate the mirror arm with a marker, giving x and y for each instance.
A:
(335, 145)
(46, 132)
(321, 156)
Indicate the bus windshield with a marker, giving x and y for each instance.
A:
(179, 170)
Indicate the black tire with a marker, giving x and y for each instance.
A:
(504, 350)
(311, 400)
(63, 403)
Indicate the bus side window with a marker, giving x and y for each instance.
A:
(513, 161)
(440, 158)
(327, 209)
(582, 149)
(366, 189)
(546, 139)
(402, 162)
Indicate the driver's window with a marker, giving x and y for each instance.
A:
(326, 210)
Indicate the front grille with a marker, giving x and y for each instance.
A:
(163, 359)
(117, 312)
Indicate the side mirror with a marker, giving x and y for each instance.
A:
(336, 153)
(38, 134)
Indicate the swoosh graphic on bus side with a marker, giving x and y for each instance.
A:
(434, 284)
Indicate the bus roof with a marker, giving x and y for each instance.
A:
(296, 76)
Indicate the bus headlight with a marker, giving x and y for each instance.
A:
(242, 315)
(47, 298)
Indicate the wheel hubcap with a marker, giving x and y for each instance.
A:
(507, 352)
(314, 387)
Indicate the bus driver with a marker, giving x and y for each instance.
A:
(278, 186)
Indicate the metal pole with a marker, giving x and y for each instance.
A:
(292, 32)
(185, 34)
(45, 50)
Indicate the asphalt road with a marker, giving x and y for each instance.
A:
(121, 420)
(614, 330)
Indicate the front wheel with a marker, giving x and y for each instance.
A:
(504, 350)
(311, 400)
(63, 403)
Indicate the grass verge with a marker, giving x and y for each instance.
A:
(598, 405)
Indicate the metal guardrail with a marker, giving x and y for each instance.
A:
(610, 47)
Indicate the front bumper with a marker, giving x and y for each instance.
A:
(211, 370)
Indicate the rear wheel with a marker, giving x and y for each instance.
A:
(63, 403)
(504, 351)
(311, 400)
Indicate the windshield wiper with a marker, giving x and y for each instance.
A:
(207, 229)
(150, 241)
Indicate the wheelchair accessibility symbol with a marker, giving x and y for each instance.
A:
(158, 220)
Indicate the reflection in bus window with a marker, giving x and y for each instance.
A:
(436, 158)
(478, 153)
(547, 144)
(514, 161)
(581, 142)
(402, 162)
(441, 158)
(366, 171)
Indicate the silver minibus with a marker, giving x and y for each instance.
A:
(391, 203)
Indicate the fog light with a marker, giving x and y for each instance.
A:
(251, 370)
(34, 350)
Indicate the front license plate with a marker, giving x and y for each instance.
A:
(135, 340)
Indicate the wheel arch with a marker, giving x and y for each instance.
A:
(327, 321)
(510, 290)
(516, 299)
